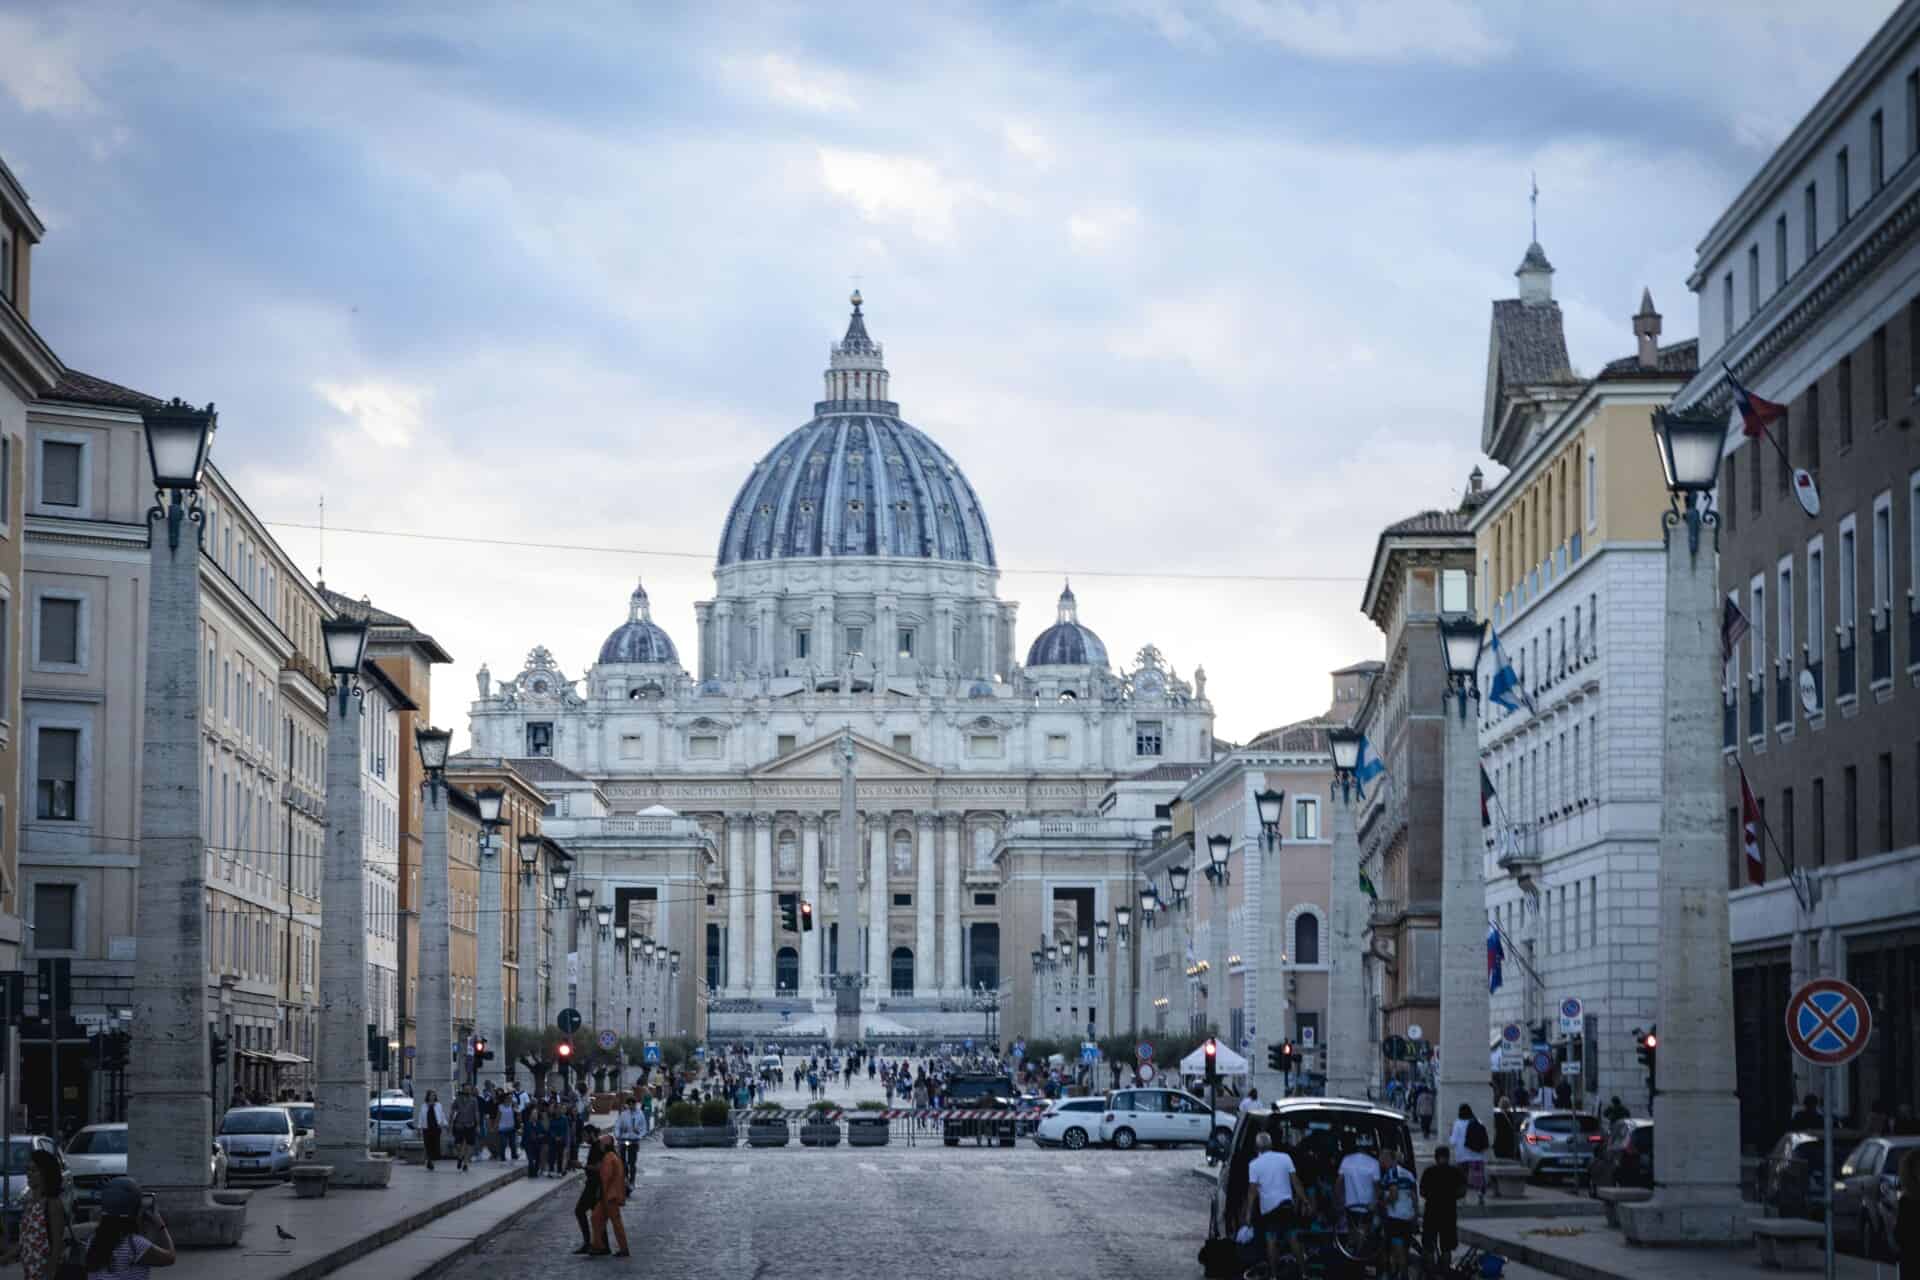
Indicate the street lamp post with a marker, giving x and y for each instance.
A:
(1348, 1051)
(1696, 1173)
(1266, 891)
(489, 988)
(528, 1012)
(170, 1069)
(340, 1111)
(433, 997)
(1464, 1008)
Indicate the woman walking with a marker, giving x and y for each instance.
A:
(613, 1194)
(1469, 1143)
(131, 1237)
(466, 1119)
(534, 1140)
(43, 1220)
(433, 1122)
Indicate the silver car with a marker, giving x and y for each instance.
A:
(259, 1143)
(98, 1154)
(1559, 1142)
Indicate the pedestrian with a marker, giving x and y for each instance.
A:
(466, 1120)
(1273, 1190)
(1442, 1187)
(433, 1122)
(1469, 1143)
(506, 1138)
(43, 1220)
(1248, 1103)
(533, 1137)
(1616, 1110)
(626, 1128)
(1400, 1203)
(131, 1237)
(559, 1130)
(1807, 1118)
(613, 1194)
(585, 1204)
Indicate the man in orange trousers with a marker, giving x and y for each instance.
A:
(613, 1193)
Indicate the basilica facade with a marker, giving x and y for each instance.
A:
(1003, 806)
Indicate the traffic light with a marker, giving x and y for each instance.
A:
(789, 913)
(216, 1046)
(1286, 1056)
(1646, 1048)
(481, 1053)
(564, 1051)
(1212, 1050)
(806, 916)
(1276, 1057)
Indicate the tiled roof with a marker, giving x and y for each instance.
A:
(1166, 773)
(1532, 342)
(1679, 357)
(1369, 666)
(84, 388)
(1430, 522)
(391, 626)
(543, 769)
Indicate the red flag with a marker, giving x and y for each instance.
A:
(1755, 413)
(1750, 832)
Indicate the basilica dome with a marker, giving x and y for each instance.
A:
(856, 480)
(1067, 643)
(639, 639)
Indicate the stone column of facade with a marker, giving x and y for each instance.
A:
(169, 1074)
(703, 621)
(1696, 1171)
(889, 635)
(340, 1111)
(723, 639)
(986, 642)
(925, 972)
(823, 639)
(811, 944)
(877, 965)
(1465, 1017)
(489, 991)
(952, 978)
(942, 652)
(735, 978)
(766, 656)
(1349, 1053)
(763, 905)
(433, 990)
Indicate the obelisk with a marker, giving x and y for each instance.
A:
(848, 978)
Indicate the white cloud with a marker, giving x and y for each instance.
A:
(388, 413)
(1450, 31)
(780, 78)
(1101, 230)
(887, 188)
(41, 72)
(1028, 143)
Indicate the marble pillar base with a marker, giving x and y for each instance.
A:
(359, 1173)
(196, 1222)
(1669, 1220)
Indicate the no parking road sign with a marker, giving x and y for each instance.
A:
(1828, 1022)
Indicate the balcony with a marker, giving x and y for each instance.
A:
(1517, 851)
(1385, 910)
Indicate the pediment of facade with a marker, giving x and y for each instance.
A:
(821, 759)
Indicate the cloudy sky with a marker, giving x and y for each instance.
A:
(1188, 287)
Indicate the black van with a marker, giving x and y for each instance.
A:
(1317, 1133)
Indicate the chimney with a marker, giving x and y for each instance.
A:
(1646, 330)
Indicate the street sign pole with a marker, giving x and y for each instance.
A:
(1828, 1023)
(1826, 1129)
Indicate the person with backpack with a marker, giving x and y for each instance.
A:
(1469, 1143)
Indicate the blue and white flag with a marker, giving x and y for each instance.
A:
(1495, 955)
(1368, 765)
(1505, 689)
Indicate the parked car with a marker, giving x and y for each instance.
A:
(1159, 1115)
(98, 1154)
(1857, 1194)
(258, 1142)
(389, 1122)
(1793, 1174)
(1625, 1159)
(17, 1148)
(303, 1126)
(1879, 1211)
(1558, 1142)
(1070, 1122)
(1317, 1133)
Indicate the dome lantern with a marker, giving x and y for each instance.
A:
(1067, 643)
(640, 640)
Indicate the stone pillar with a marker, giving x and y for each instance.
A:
(433, 993)
(723, 640)
(986, 642)
(340, 1113)
(169, 1074)
(878, 965)
(489, 996)
(1349, 1052)
(559, 943)
(824, 643)
(883, 622)
(736, 974)
(763, 906)
(1465, 1020)
(1696, 1171)
(942, 652)
(811, 943)
(703, 620)
(952, 977)
(925, 973)
(533, 897)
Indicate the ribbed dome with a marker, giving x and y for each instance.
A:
(1066, 643)
(857, 480)
(639, 639)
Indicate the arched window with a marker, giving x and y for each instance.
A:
(787, 856)
(1306, 939)
(902, 979)
(902, 853)
(786, 970)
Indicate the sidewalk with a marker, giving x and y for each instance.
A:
(1595, 1251)
(342, 1228)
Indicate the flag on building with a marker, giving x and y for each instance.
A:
(1505, 689)
(1366, 887)
(1755, 414)
(1733, 625)
(1368, 765)
(1486, 798)
(1750, 832)
(1495, 955)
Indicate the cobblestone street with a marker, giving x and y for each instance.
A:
(928, 1210)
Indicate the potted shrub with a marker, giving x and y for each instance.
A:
(716, 1125)
(820, 1129)
(767, 1125)
(683, 1125)
(867, 1124)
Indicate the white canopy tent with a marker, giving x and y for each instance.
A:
(1229, 1062)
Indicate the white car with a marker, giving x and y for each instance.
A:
(98, 1154)
(1133, 1116)
(1070, 1122)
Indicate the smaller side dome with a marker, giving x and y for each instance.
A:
(1067, 643)
(639, 640)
